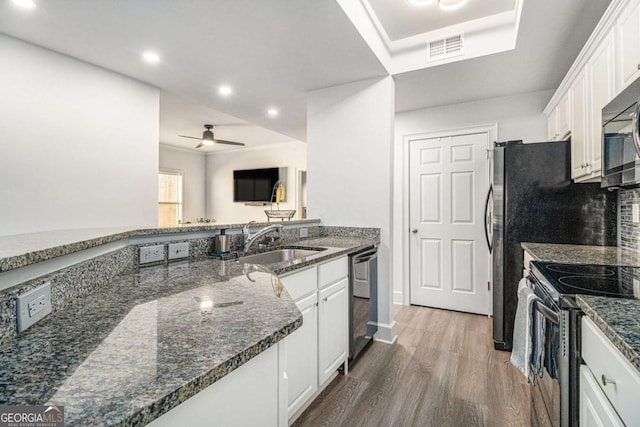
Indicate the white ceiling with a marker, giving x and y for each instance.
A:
(179, 116)
(273, 52)
(401, 19)
(550, 36)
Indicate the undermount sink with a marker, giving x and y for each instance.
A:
(280, 255)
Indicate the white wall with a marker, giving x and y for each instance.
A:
(517, 117)
(220, 167)
(192, 164)
(79, 144)
(350, 135)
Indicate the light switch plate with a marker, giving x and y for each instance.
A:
(178, 250)
(304, 232)
(635, 213)
(151, 254)
(33, 306)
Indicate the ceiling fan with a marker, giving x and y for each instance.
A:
(208, 139)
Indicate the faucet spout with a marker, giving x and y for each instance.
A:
(249, 239)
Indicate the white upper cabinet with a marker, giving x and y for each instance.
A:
(628, 32)
(559, 121)
(580, 128)
(601, 76)
(563, 116)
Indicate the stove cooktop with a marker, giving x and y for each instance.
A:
(589, 279)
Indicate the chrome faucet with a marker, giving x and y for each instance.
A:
(249, 238)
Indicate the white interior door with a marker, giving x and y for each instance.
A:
(448, 184)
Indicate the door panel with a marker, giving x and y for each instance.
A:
(449, 180)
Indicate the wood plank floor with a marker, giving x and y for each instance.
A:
(442, 371)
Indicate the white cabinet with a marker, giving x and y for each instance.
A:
(552, 125)
(595, 409)
(316, 350)
(617, 381)
(601, 88)
(302, 356)
(628, 31)
(333, 326)
(559, 121)
(580, 128)
(247, 396)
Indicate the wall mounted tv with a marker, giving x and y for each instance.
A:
(254, 185)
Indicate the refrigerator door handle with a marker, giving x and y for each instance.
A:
(488, 219)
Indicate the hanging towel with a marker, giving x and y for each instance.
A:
(522, 330)
(539, 337)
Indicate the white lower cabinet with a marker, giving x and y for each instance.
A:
(316, 350)
(302, 359)
(595, 409)
(333, 320)
(247, 396)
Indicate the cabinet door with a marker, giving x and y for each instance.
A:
(333, 328)
(629, 47)
(579, 128)
(563, 116)
(595, 409)
(302, 356)
(552, 125)
(602, 85)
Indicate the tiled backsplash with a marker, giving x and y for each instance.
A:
(629, 232)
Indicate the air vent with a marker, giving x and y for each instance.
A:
(446, 47)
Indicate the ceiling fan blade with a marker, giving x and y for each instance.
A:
(192, 137)
(199, 145)
(222, 141)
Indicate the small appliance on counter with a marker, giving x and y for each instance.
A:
(221, 243)
(534, 200)
(555, 389)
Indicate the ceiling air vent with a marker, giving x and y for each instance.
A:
(446, 47)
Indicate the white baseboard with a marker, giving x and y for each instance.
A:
(386, 333)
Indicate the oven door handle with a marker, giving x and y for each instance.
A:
(551, 315)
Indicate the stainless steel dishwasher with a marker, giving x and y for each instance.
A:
(363, 299)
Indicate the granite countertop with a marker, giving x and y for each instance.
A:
(153, 338)
(20, 250)
(582, 254)
(149, 341)
(619, 320)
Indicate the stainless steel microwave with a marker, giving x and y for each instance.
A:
(621, 139)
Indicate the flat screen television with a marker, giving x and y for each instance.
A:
(254, 185)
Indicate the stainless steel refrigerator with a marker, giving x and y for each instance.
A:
(534, 200)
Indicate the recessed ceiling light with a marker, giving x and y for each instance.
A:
(422, 2)
(225, 90)
(151, 57)
(272, 112)
(451, 4)
(27, 4)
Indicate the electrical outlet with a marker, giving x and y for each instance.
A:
(304, 232)
(178, 250)
(635, 213)
(33, 306)
(151, 254)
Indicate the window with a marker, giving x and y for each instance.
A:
(170, 199)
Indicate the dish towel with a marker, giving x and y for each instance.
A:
(539, 337)
(522, 330)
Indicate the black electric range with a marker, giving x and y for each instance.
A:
(564, 281)
(557, 285)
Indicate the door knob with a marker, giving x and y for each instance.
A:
(414, 231)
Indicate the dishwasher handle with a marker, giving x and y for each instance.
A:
(365, 256)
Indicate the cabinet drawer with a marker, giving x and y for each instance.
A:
(595, 409)
(605, 360)
(301, 283)
(332, 271)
